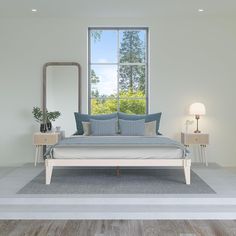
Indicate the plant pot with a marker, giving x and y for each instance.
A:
(43, 128)
(49, 126)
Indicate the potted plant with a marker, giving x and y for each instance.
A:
(45, 118)
(52, 116)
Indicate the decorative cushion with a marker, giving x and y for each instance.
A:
(103, 127)
(132, 127)
(148, 118)
(79, 118)
(150, 128)
(86, 128)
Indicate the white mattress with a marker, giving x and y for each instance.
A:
(117, 153)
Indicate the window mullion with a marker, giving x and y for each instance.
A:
(104, 63)
(146, 71)
(133, 64)
(89, 71)
(118, 70)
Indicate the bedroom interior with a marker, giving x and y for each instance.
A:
(118, 112)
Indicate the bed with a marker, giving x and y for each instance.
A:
(117, 151)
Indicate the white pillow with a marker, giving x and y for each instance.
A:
(86, 128)
(150, 128)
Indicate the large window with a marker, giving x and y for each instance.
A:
(118, 70)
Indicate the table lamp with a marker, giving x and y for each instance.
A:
(197, 109)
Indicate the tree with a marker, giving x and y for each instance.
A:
(129, 103)
(94, 79)
(103, 106)
(96, 35)
(132, 77)
(132, 103)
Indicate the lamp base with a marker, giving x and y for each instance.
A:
(197, 131)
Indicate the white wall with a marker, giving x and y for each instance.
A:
(191, 59)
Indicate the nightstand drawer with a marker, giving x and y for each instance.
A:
(188, 139)
(46, 139)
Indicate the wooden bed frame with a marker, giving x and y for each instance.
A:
(184, 162)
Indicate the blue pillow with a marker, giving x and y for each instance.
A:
(79, 118)
(132, 127)
(148, 118)
(103, 127)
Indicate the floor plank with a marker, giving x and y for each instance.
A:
(117, 228)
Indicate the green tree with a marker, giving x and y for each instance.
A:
(103, 106)
(132, 103)
(96, 35)
(129, 103)
(132, 77)
(94, 79)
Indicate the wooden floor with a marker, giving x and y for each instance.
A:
(117, 228)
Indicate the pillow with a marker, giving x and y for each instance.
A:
(132, 127)
(86, 128)
(79, 118)
(151, 117)
(103, 127)
(150, 128)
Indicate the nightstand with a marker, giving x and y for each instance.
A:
(41, 139)
(199, 139)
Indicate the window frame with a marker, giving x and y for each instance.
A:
(118, 64)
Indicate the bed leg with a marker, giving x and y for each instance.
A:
(49, 169)
(118, 171)
(187, 171)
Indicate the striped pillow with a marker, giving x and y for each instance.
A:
(79, 118)
(132, 127)
(148, 118)
(103, 127)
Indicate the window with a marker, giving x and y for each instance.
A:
(118, 69)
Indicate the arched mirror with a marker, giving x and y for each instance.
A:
(61, 92)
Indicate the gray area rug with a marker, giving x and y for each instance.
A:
(105, 181)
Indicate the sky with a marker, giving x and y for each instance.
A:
(106, 50)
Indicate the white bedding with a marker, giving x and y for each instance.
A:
(117, 153)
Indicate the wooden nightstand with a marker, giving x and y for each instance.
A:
(41, 139)
(197, 138)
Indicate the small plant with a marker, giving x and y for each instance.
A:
(46, 117)
(38, 114)
(52, 116)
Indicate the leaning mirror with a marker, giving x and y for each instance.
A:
(61, 92)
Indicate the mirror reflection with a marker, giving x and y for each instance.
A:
(62, 92)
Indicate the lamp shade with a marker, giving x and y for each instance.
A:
(197, 108)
